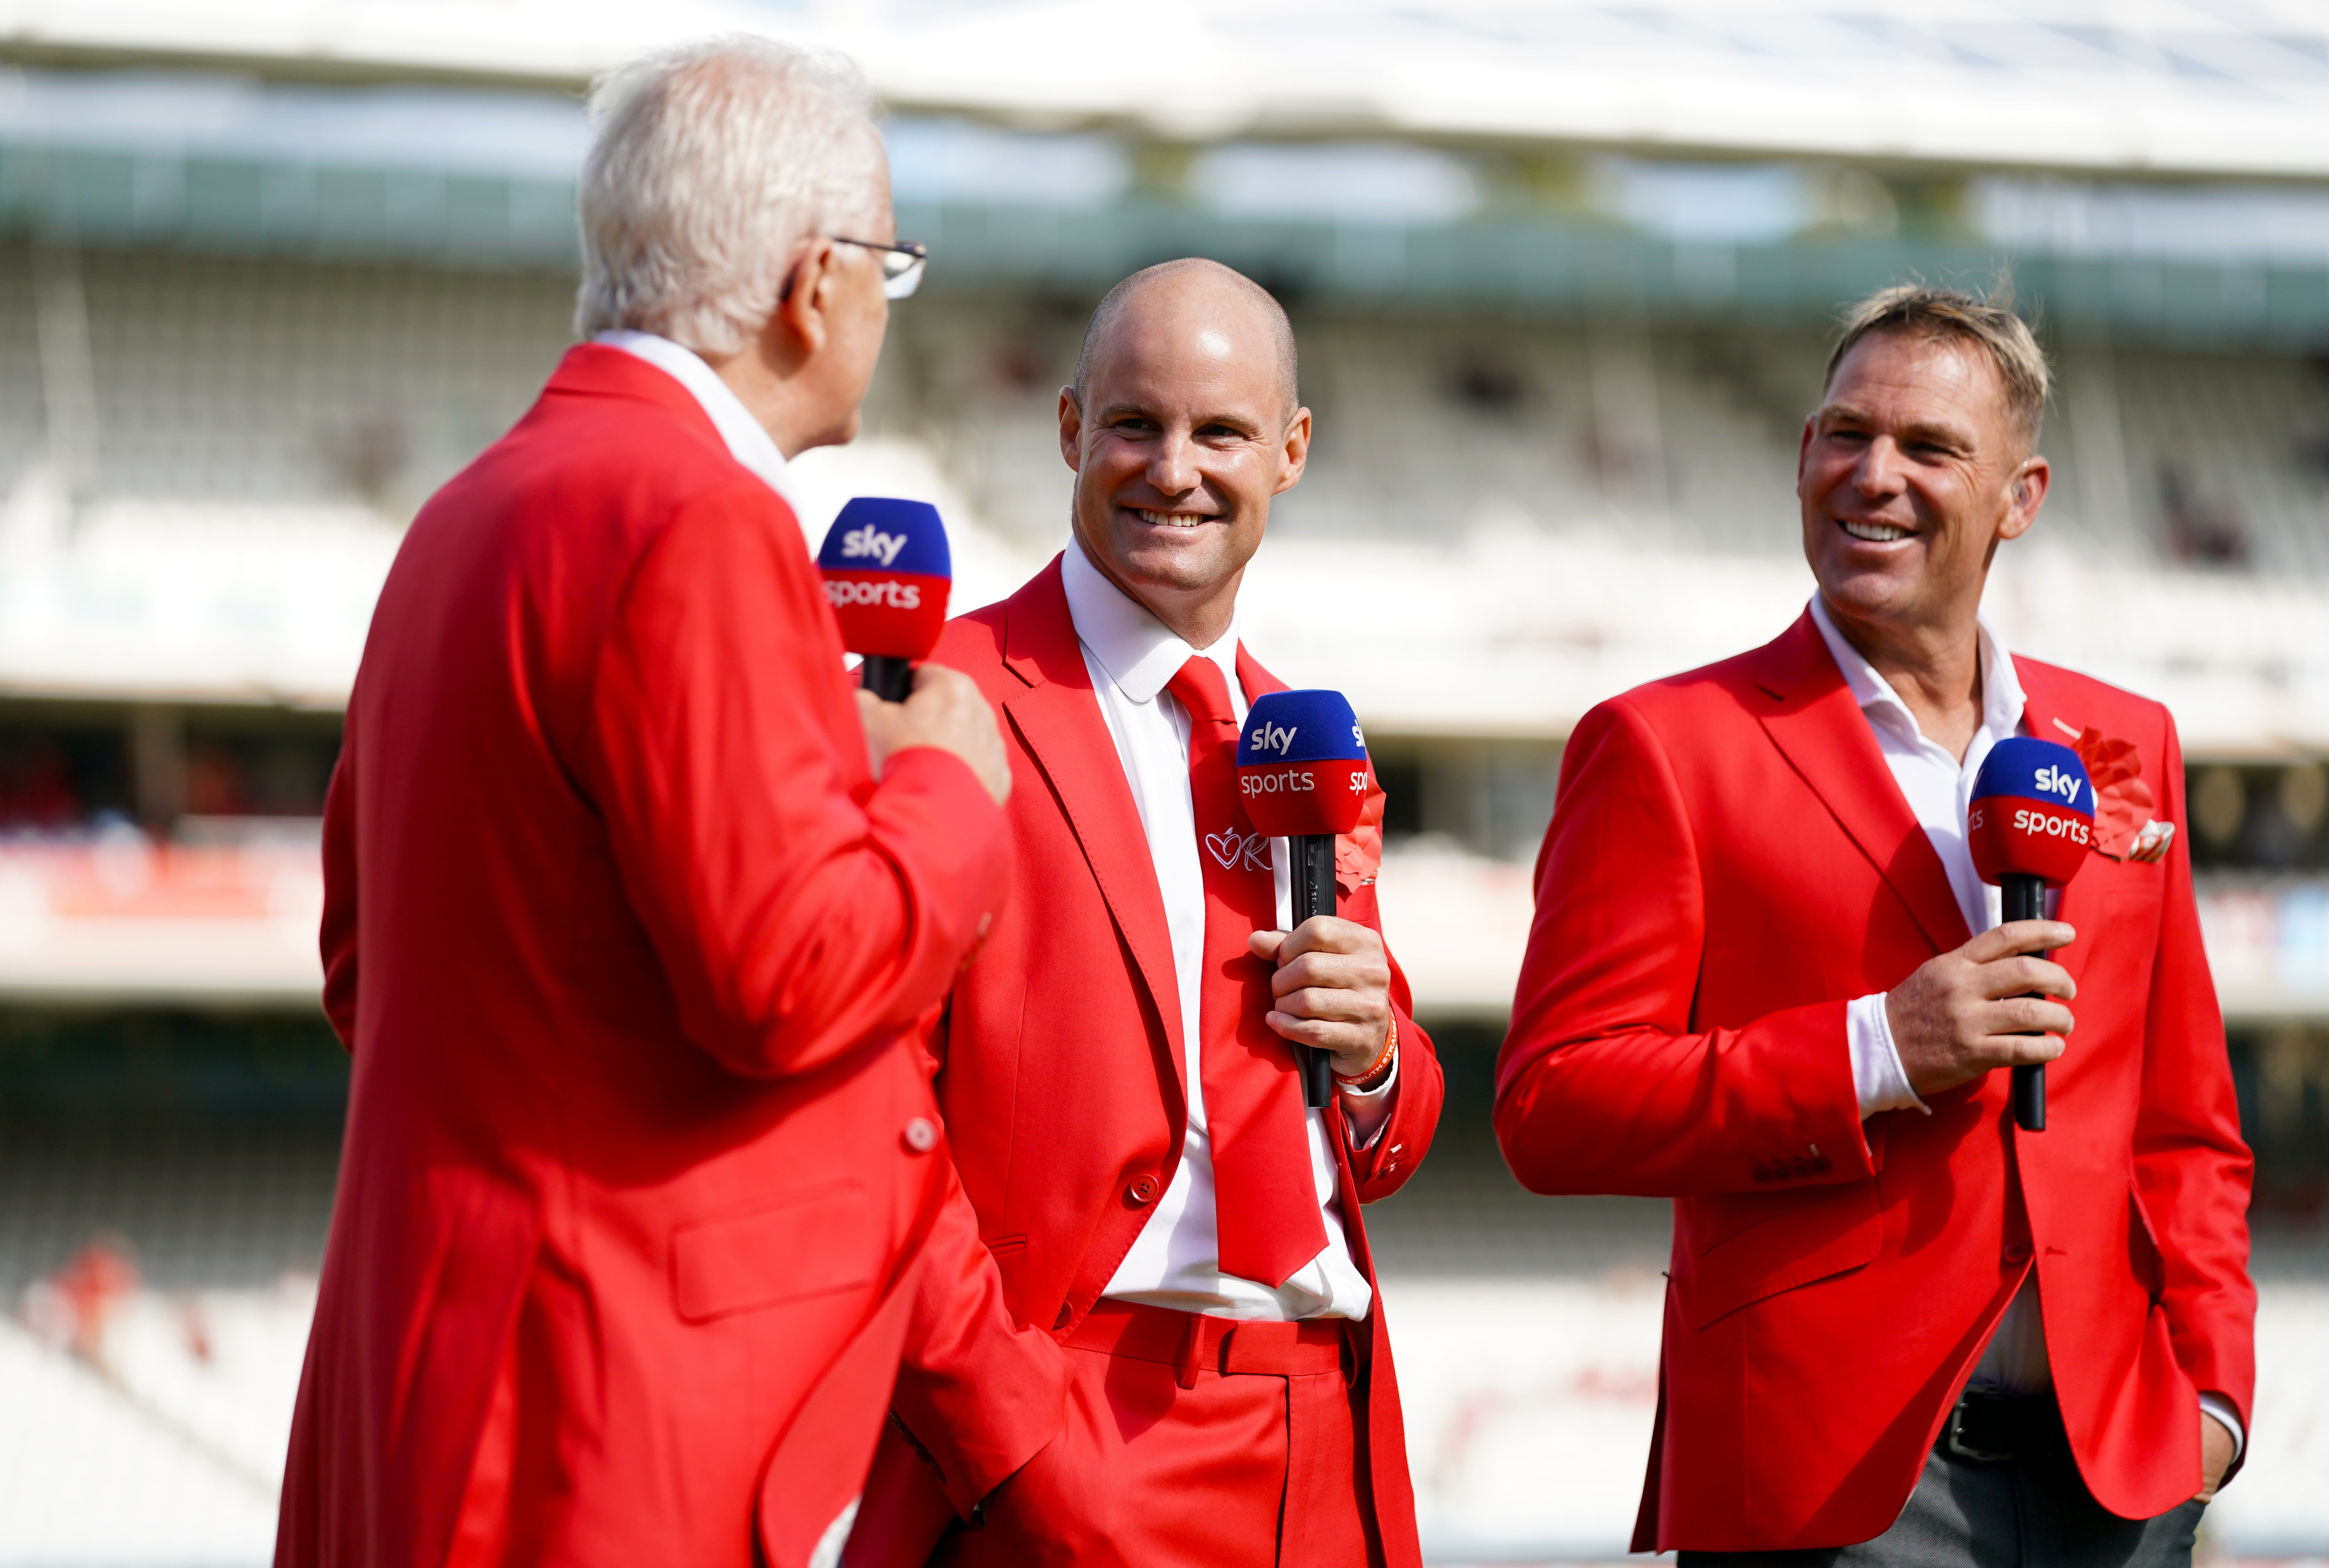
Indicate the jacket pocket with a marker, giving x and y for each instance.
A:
(2144, 1258)
(810, 1243)
(1010, 1255)
(1798, 1237)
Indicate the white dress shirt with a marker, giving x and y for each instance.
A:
(1174, 1262)
(1938, 788)
(747, 439)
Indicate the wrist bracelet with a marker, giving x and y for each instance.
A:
(1376, 1069)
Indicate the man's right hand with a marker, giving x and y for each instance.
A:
(1968, 1012)
(944, 710)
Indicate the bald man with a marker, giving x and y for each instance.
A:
(1150, 1334)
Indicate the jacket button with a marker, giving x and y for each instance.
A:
(2018, 1254)
(1142, 1189)
(921, 1135)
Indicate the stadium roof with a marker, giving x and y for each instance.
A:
(2182, 88)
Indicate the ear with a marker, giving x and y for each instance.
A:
(804, 313)
(1071, 430)
(1294, 450)
(2025, 492)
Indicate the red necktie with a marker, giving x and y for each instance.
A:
(1265, 1202)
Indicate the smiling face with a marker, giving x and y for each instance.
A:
(1182, 435)
(1911, 472)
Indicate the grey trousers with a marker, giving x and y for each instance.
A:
(2031, 1512)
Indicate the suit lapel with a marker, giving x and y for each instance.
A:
(1824, 737)
(1256, 681)
(1058, 720)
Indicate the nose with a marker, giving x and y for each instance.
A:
(1878, 474)
(1171, 466)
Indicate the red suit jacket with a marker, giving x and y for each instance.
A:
(1059, 1069)
(1729, 863)
(630, 950)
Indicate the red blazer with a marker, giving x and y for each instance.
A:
(1059, 1069)
(629, 949)
(1729, 863)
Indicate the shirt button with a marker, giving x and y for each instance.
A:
(2018, 1254)
(921, 1135)
(1142, 1189)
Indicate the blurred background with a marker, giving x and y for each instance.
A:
(1564, 275)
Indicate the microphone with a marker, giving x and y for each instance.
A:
(1302, 773)
(887, 572)
(2030, 825)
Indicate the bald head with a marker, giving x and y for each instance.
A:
(1192, 293)
(1182, 425)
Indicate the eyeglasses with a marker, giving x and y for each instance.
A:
(902, 264)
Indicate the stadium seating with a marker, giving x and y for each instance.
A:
(204, 464)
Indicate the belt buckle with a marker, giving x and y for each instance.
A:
(1958, 1446)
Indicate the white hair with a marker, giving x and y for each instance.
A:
(710, 161)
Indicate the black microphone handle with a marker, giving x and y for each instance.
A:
(2025, 899)
(887, 678)
(1313, 895)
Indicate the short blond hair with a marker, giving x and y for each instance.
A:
(1989, 323)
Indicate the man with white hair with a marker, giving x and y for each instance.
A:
(630, 903)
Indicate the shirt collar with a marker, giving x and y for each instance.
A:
(748, 441)
(1138, 651)
(2002, 697)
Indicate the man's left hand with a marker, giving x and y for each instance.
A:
(2216, 1450)
(1333, 986)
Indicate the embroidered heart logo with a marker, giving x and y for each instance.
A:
(1228, 847)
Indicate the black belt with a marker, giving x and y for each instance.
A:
(1989, 1426)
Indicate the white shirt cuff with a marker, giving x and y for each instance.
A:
(1877, 1075)
(1367, 1111)
(2217, 1406)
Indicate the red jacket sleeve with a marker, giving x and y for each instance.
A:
(338, 937)
(1603, 1085)
(798, 910)
(1382, 1166)
(2191, 1164)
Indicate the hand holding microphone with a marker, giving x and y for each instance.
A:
(1302, 775)
(2031, 824)
(944, 710)
(888, 574)
(1992, 1003)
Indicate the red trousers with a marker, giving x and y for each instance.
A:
(1197, 1441)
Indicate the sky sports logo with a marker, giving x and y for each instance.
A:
(2054, 781)
(1291, 782)
(844, 592)
(1274, 737)
(870, 540)
(2038, 824)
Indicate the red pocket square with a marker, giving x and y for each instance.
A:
(2124, 829)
